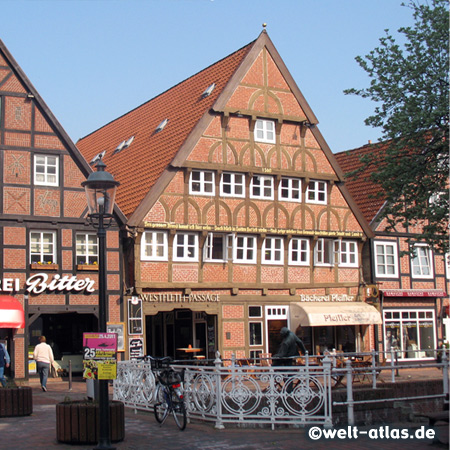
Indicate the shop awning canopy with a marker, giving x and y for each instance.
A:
(333, 314)
(11, 312)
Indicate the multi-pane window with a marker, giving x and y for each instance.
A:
(299, 251)
(245, 249)
(324, 252)
(218, 247)
(265, 131)
(348, 253)
(273, 250)
(42, 247)
(185, 247)
(261, 187)
(386, 261)
(290, 189)
(46, 170)
(421, 262)
(154, 246)
(255, 329)
(232, 184)
(201, 182)
(316, 192)
(87, 248)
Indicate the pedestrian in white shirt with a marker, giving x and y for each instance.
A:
(43, 355)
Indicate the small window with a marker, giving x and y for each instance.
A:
(154, 246)
(218, 247)
(255, 333)
(185, 247)
(299, 252)
(201, 183)
(316, 192)
(87, 248)
(386, 261)
(46, 170)
(232, 185)
(245, 249)
(262, 187)
(43, 247)
(273, 251)
(290, 189)
(421, 262)
(265, 131)
(254, 311)
(348, 253)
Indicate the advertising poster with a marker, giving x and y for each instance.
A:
(100, 356)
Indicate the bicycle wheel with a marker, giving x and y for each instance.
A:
(179, 414)
(161, 408)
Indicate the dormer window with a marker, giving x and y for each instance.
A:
(265, 131)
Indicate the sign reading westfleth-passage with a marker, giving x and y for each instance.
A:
(100, 356)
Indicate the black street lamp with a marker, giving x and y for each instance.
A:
(100, 190)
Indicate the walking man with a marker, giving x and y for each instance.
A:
(5, 360)
(43, 355)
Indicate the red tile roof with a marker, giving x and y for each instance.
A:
(363, 190)
(139, 166)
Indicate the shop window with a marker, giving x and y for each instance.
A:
(185, 247)
(232, 185)
(316, 192)
(290, 189)
(421, 262)
(299, 252)
(43, 247)
(46, 170)
(261, 187)
(201, 182)
(245, 249)
(86, 248)
(265, 131)
(154, 246)
(386, 260)
(218, 247)
(273, 251)
(409, 333)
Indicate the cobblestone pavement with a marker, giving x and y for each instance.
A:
(142, 432)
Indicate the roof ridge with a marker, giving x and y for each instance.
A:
(250, 44)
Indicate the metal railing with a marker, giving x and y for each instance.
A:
(230, 391)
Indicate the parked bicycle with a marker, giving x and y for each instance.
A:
(169, 395)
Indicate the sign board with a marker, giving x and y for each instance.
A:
(100, 356)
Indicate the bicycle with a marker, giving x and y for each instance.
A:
(169, 396)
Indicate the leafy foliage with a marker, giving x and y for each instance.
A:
(410, 84)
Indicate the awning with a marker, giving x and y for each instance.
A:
(333, 313)
(414, 293)
(11, 313)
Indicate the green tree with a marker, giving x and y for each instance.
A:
(410, 84)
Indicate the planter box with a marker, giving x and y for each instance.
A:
(87, 267)
(77, 422)
(44, 266)
(16, 401)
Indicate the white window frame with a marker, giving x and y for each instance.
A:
(316, 189)
(265, 131)
(347, 250)
(423, 261)
(150, 247)
(299, 256)
(45, 257)
(233, 184)
(273, 250)
(324, 252)
(88, 250)
(227, 247)
(248, 243)
(394, 255)
(290, 190)
(183, 241)
(447, 265)
(202, 183)
(261, 179)
(49, 170)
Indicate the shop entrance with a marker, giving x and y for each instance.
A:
(276, 319)
(168, 333)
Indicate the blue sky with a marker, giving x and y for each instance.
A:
(94, 60)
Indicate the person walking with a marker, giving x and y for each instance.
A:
(289, 347)
(5, 360)
(43, 355)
